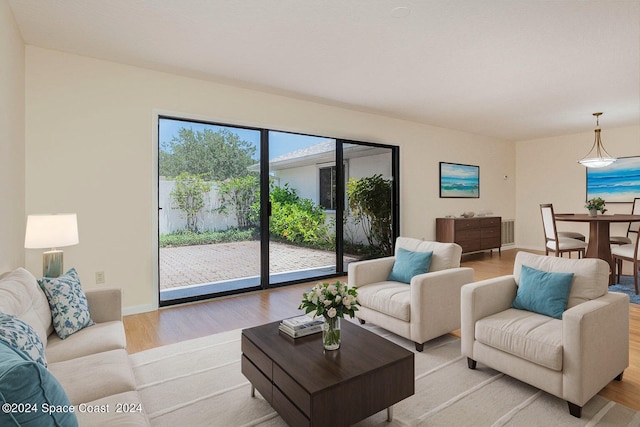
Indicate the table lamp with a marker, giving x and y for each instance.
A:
(51, 231)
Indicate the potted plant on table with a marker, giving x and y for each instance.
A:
(594, 205)
(333, 301)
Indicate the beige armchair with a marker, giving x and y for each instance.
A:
(424, 309)
(573, 357)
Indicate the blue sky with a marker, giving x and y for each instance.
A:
(279, 142)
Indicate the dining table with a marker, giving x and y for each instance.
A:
(599, 245)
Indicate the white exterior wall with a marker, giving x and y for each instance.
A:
(304, 179)
(367, 166)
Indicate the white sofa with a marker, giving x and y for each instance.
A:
(424, 309)
(572, 357)
(91, 365)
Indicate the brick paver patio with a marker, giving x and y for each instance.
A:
(189, 265)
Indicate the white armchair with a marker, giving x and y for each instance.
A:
(573, 357)
(424, 309)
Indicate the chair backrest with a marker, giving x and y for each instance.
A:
(636, 206)
(634, 227)
(445, 255)
(590, 275)
(548, 222)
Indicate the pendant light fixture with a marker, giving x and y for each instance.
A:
(597, 156)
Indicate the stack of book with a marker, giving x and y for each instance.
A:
(301, 326)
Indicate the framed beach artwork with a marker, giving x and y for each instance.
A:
(616, 183)
(459, 181)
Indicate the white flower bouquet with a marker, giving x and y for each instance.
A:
(333, 301)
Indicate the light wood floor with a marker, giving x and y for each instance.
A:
(179, 323)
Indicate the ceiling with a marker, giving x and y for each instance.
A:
(509, 69)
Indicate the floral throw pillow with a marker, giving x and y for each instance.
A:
(68, 303)
(22, 337)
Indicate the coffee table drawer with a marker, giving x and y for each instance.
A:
(257, 379)
(291, 388)
(257, 357)
(288, 410)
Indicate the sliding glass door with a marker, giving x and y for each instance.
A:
(371, 214)
(208, 209)
(302, 190)
(244, 209)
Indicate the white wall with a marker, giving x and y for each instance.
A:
(360, 167)
(90, 147)
(304, 179)
(12, 156)
(548, 172)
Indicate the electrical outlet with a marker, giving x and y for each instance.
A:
(99, 277)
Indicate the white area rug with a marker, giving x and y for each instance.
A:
(199, 383)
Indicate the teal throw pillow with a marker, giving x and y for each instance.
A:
(30, 396)
(543, 292)
(67, 302)
(20, 336)
(409, 264)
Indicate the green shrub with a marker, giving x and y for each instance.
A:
(238, 195)
(298, 220)
(188, 195)
(370, 202)
(293, 220)
(188, 238)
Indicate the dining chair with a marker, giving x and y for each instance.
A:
(572, 234)
(625, 240)
(629, 251)
(555, 243)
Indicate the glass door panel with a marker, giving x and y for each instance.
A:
(302, 175)
(208, 216)
(369, 213)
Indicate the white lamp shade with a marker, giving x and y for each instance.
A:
(51, 231)
(597, 162)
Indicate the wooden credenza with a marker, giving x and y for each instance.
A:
(473, 234)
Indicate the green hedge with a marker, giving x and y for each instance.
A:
(187, 238)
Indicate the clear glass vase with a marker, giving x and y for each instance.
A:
(331, 333)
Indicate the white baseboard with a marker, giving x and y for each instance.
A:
(530, 248)
(137, 309)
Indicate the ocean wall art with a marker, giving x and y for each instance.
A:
(457, 180)
(616, 183)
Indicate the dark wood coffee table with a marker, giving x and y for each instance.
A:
(310, 386)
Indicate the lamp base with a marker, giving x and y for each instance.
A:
(52, 263)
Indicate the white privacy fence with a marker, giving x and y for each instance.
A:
(171, 220)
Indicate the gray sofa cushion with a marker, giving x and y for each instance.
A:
(97, 338)
(21, 296)
(391, 298)
(531, 336)
(95, 376)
